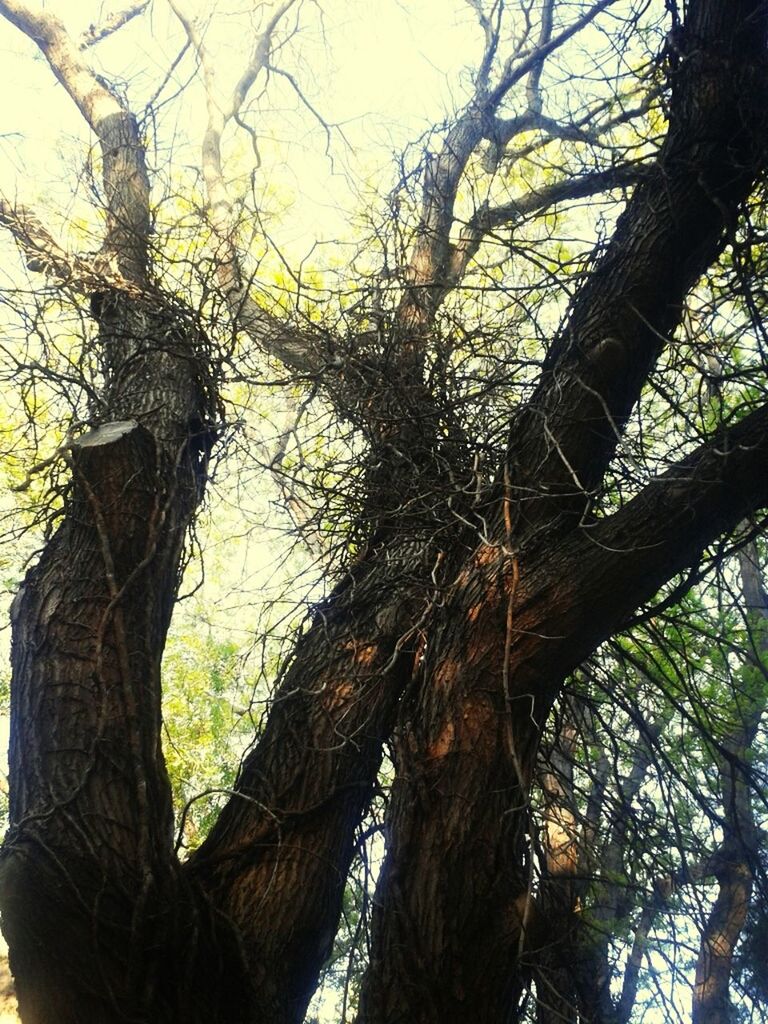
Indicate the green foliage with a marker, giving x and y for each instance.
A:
(201, 677)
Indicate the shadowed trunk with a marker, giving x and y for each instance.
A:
(450, 634)
(100, 924)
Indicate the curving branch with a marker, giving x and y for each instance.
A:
(437, 264)
(588, 128)
(489, 219)
(666, 527)
(124, 175)
(734, 866)
(430, 272)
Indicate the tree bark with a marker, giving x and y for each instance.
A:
(277, 859)
(100, 924)
(448, 941)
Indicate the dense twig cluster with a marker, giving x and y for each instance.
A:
(522, 438)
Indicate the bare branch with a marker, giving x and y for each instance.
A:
(428, 265)
(274, 337)
(490, 25)
(533, 86)
(95, 100)
(45, 255)
(126, 183)
(257, 62)
(95, 33)
(516, 210)
(587, 128)
(514, 73)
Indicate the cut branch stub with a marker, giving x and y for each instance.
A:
(106, 433)
(114, 469)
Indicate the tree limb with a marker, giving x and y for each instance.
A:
(124, 174)
(95, 33)
(673, 228)
(487, 220)
(428, 271)
(44, 254)
(667, 526)
(295, 350)
(735, 864)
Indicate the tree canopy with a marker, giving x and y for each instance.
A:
(410, 358)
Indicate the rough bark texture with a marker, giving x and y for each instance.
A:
(88, 874)
(305, 788)
(520, 616)
(452, 632)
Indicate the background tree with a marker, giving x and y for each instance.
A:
(541, 435)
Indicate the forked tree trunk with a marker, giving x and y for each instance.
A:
(459, 647)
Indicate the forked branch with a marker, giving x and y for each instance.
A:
(433, 268)
(270, 333)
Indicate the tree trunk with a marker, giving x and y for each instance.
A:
(453, 631)
(100, 924)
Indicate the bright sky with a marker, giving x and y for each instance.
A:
(380, 70)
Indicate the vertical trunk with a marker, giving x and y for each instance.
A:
(711, 996)
(277, 859)
(100, 926)
(453, 910)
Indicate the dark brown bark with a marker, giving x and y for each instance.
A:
(285, 841)
(448, 944)
(458, 648)
(100, 925)
(469, 739)
(276, 861)
(674, 226)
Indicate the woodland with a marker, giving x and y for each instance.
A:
(384, 457)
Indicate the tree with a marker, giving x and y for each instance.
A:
(519, 490)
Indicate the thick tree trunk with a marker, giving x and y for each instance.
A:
(463, 663)
(447, 939)
(100, 924)
(454, 915)
(277, 859)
